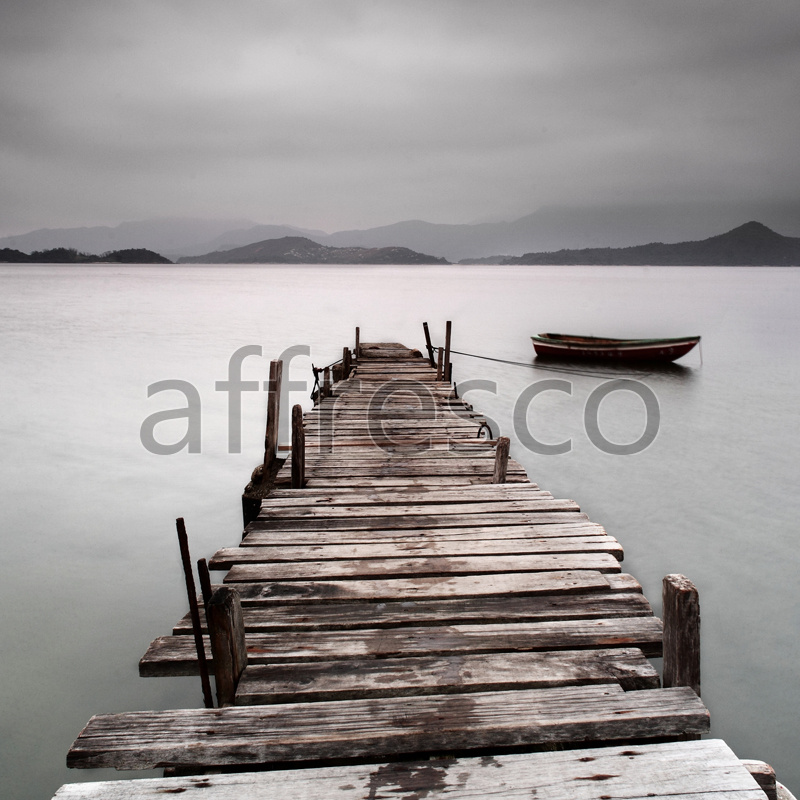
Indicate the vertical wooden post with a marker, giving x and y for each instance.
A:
(681, 616)
(183, 542)
(298, 448)
(428, 343)
(273, 409)
(439, 362)
(447, 375)
(358, 344)
(205, 580)
(345, 363)
(226, 629)
(501, 459)
(326, 383)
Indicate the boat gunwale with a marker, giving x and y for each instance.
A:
(597, 342)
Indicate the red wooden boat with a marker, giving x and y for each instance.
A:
(557, 345)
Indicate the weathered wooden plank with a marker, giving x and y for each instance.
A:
(176, 655)
(259, 536)
(418, 522)
(454, 587)
(228, 556)
(350, 616)
(410, 469)
(419, 490)
(764, 776)
(328, 513)
(490, 493)
(468, 672)
(704, 770)
(378, 727)
(401, 455)
(431, 566)
(441, 480)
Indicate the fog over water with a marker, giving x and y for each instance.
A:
(91, 572)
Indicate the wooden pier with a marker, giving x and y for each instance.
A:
(409, 616)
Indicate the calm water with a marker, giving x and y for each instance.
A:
(91, 574)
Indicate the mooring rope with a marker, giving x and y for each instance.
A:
(550, 368)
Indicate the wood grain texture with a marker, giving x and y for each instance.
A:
(681, 606)
(706, 770)
(431, 566)
(372, 728)
(393, 614)
(467, 672)
(176, 655)
(228, 556)
(257, 534)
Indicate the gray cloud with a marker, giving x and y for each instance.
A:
(347, 114)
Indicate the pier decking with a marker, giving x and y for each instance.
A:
(419, 620)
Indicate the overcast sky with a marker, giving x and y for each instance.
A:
(348, 114)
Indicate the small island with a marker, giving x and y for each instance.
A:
(69, 255)
(300, 250)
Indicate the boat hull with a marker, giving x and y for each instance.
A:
(586, 348)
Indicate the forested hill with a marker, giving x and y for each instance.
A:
(68, 255)
(300, 250)
(751, 244)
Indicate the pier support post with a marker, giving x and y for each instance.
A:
(273, 407)
(345, 363)
(439, 363)
(205, 580)
(298, 448)
(183, 543)
(226, 629)
(428, 344)
(681, 614)
(448, 367)
(326, 382)
(358, 344)
(501, 459)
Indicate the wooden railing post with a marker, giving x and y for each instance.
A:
(439, 362)
(273, 410)
(428, 344)
(226, 629)
(447, 375)
(298, 448)
(358, 344)
(501, 459)
(681, 616)
(326, 382)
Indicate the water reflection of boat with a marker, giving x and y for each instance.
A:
(595, 348)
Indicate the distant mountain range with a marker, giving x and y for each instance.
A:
(548, 229)
(300, 250)
(751, 244)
